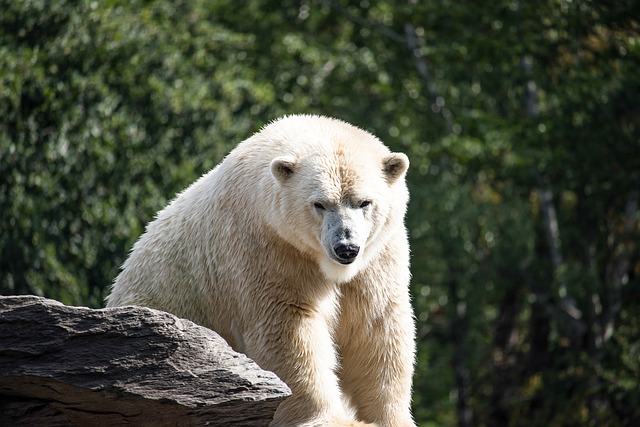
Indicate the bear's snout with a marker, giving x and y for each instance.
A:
(346, 253)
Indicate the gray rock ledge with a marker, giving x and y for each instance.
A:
(75, 366)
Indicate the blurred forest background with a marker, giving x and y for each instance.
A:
(521, 119)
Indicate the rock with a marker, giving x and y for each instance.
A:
(62, 365)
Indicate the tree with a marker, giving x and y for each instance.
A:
(520, 120)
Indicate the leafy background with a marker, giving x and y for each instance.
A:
(521, 121)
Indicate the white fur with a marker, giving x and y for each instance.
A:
(249, 250)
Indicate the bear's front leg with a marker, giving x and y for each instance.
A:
(295, 343)
(377, 347)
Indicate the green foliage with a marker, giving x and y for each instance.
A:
(520, 118)
(107, 112)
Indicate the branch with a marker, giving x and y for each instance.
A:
(438, 104)
(551, 226)
(620, 272)
(459, 334)
(568, 309)
(372, 25)
(567, 314)
(437, 101)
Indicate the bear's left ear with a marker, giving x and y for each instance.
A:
(283, 167)
(394, 166)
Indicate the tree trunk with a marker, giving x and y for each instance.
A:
(459, 332)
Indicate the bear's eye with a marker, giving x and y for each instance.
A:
(319, 206)
(365, 203)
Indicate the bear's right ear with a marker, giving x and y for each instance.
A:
(283, 167)
(394, 166)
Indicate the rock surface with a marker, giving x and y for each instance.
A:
(62, 365)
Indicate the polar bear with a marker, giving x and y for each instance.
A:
(294, 250)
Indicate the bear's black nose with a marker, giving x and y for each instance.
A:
(346, 253)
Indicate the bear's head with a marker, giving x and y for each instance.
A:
(340, 194)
